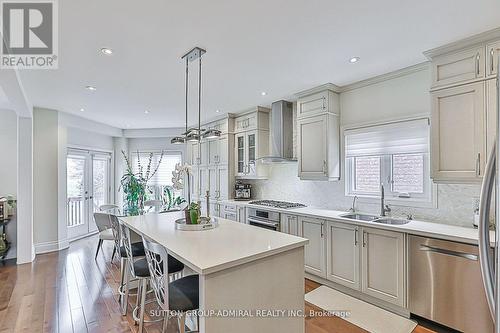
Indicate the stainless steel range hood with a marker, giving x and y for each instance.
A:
(281, 136)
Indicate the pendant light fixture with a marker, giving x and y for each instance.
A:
(194, 134)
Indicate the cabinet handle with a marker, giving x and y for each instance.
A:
(364, 239)
(324, 167)
(356, 237)
(324, 103)
(322, 224)
(492, 55)
(478, 164)
(478, 56)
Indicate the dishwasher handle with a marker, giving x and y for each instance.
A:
(463, 255)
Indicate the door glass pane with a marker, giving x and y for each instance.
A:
(75, 191)
(251, 147)
(241, 154)
(100, 183)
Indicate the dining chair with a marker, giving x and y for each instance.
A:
(110, 208)
(180, 295)
(103, 224)
(139, 270)
(155, 204)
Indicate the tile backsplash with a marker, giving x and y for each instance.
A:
(454, 201)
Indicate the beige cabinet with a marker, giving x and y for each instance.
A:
(315, 251)
(290, 224)
(343, 256)
(229, 212)
(458, 133)
(192, 153)
(318, 147)
(491, 113)
(241, 214)
(383, 265)
(249, 147)
(458, 67)
(492, 53)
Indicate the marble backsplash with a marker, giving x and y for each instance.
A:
(454, 201)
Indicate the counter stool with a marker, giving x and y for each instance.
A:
(139, 270)
(181, 295)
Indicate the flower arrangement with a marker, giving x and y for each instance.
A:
(134, 185)
(181, 172)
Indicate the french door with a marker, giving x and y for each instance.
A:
(88, 187)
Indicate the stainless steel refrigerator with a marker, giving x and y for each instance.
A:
(488, 249)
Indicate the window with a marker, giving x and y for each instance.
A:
(395, 155)
(163, 176)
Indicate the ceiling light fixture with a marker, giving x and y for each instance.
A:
(91, 88)
(217, 111)
(82, 109)
(146, 112)
(107, 51)
(211, 134)
(353, 60)
(263, 93)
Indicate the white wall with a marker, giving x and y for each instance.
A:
(399, 97)
(153, 144)
(87, 139)
(8, 150)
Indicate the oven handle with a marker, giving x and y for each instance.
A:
(250, 220)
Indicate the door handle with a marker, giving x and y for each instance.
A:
(464, 255)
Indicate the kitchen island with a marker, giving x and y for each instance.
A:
(251, 279)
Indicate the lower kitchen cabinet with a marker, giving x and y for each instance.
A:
(315, 251)
(241, 214)
(343, 254)
(383, 265)
(290, 224)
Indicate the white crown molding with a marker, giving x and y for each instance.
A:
(385, 77)
(464, 43)
(314, 90)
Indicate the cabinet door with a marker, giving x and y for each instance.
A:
(204, 153)
(241, 212)
(312, 147)
(458, 133)
(382, 265)
(213, 185)
(290, 224)
(240, 155)
(458, 67)
(342, 256)
(491, 113)
(312, 105)
(194, 184)
(251, 152)
(222, 157)
(313, 230)
(222, 182)
(213, 152)
(193, 156)
(492, 53)
(203, 187)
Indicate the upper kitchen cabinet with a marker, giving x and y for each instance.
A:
(318, 135)
(458, 133)
(492, 53)
(251, 143)
(458, 67)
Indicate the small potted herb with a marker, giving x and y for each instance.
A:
(194, 212)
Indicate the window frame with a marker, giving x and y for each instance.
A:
(386, 171)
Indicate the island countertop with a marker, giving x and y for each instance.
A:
(209, 251)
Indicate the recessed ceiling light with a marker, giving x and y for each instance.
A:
(353, 60)
(146, 112)
(217, 111)
(91, 88)
(263, 93)
(107, 51)
(82, 109)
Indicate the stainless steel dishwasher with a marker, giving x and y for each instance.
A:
(445, 284)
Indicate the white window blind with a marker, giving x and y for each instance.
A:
(395, 138)
(164, 174)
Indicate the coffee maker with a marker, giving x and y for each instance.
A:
(242, 191)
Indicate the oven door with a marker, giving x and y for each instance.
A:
(266, 224)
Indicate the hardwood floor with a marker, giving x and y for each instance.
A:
(68, 291)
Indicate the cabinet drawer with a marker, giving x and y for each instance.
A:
(312, 105)
(229, 208)
(458, 67)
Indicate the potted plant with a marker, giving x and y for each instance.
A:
(170, 200)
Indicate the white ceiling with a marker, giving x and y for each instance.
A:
(278, 46)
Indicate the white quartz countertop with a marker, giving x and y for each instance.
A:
(208, 251)
(414, 227)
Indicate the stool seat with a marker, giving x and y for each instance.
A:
(183, 294)
(137, 250)
(141, 266)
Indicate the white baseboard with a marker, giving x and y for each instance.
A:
(83, 236)
(52, 246)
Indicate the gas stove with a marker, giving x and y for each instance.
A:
(277, 204)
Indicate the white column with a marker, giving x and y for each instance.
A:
(25, 248)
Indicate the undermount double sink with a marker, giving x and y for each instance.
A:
(373, 218)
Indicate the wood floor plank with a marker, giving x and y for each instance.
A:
(69, 291)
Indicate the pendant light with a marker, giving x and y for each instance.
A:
(194, 134)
